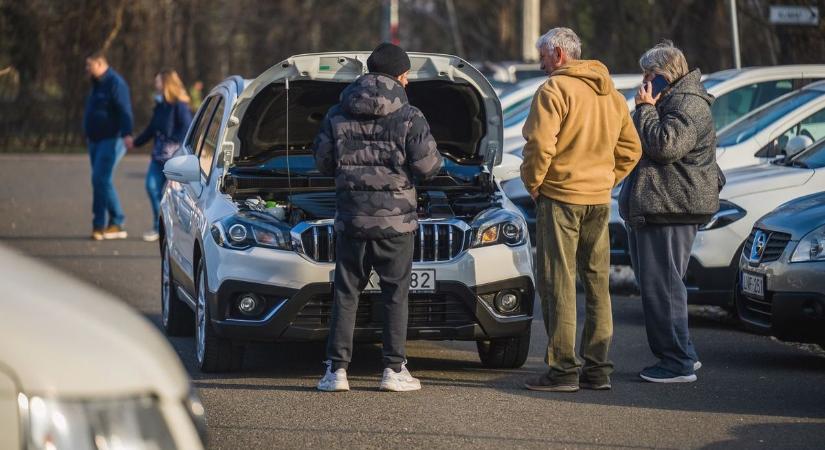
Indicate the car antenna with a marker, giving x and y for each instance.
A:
(288, 171)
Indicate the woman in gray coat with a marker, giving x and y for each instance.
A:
(673, 190)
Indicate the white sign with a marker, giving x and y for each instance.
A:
(794, 15)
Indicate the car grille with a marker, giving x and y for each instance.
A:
(435, 241)
(424, 310)
(774, 246)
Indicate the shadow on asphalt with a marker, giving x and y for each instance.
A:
(766, 435)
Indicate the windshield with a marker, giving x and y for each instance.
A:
(753, 123)
(813, 158)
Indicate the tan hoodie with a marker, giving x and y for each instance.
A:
(580, 137)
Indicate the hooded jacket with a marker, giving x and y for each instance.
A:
(677, 180)
(580, 139)
(375, 144)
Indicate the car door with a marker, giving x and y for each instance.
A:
(181, 242)
(195, 197)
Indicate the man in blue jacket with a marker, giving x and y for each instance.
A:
(107, 123)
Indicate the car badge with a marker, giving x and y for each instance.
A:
(760, 241)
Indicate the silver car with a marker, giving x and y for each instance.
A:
(781, 285)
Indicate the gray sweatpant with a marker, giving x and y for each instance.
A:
(660, 256)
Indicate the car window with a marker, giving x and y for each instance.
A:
(754, 122)
(737, 103)
(813, 158)
(812, 127)
(518, 115)
(210, 142)
(193, 143)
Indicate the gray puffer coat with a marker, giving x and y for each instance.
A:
(677, 180)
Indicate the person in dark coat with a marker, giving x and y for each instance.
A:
(674, 189)
(170, 121)
(375, 144)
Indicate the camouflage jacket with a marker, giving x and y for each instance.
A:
(375, 144)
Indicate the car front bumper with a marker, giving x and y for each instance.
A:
(793, 307)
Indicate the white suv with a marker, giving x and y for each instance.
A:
(246, 231)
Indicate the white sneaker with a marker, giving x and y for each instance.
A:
(399, 382)
(333, 381)
(697, 365)
(151, 236)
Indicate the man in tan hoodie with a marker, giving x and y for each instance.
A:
(580, 143)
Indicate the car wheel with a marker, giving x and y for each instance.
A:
(213, 353)
(175, 316)
(504, 353)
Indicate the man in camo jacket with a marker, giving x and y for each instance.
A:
(375, 144)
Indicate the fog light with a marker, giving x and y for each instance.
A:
(237, 233)
(249, 304)
(507, 302)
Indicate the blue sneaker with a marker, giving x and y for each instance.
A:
(656, 374)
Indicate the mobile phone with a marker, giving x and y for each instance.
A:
(658, 84)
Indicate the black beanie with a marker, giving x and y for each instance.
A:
(388, 59)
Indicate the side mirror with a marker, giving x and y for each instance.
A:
(183, 169)
(798, 143)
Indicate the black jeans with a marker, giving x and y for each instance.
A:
(660, 256)
(355, 258)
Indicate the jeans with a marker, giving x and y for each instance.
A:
(574, 239)
(104, 156)
(660, 256)
(155, 180)
(355, 258)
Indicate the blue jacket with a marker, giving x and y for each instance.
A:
(168, 128)
(108, 111)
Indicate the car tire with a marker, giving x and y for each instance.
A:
(212, 352)
(176, 318)
(504, 353)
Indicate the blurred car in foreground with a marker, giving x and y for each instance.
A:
(750, 193)
(81, 370)
(781, 284)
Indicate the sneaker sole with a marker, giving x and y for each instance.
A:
(596, 387)
(397, 388)
(680, 379)
(121, 235)
(540, 388)
(344, 388)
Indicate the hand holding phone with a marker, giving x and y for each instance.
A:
(659, 84)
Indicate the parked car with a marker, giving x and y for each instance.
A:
(247, 241)
(781, 284)
(764, 134)
(749, 194)
(81, 370)
(740, 91)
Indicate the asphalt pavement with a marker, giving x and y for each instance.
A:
(753, 392)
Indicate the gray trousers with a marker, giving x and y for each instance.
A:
(355, 258)
(660, 256)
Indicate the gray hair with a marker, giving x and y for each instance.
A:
(563, 38)
(665, 59)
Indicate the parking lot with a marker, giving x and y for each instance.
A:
(753, 392)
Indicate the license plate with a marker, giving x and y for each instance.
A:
(753, 284)
(421, 280)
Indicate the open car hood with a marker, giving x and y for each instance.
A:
(460, 105)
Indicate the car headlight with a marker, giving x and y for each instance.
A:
(728, 213)
(132, 422)
(251, 228)
(499, 226)
(811, 247)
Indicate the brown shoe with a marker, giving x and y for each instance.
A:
(97, 234)
(114, 232)
(544, 384)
